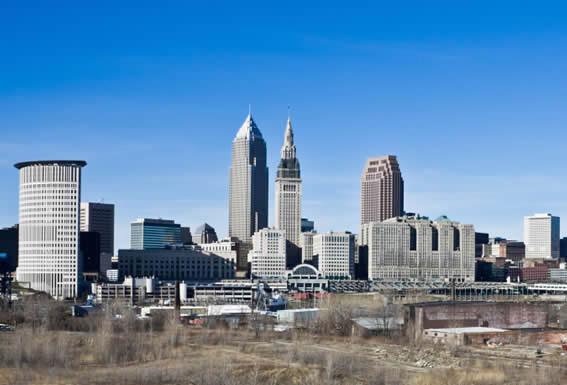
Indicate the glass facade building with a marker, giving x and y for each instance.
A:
(154, 233)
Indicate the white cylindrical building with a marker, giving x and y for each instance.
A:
(50, 195)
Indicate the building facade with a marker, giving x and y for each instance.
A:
(307, 225)
(306, 244)
(99, 218)
(8, 249)
(48, 247)
(335, 254)
(541, 236)
(226, 248)
(418, 249)
(288, 190)
(268, 256)
(148, 233)
(248, 186)
(176, 263)
(503, 248)
(480, 239)
(185, 235)
(89, 247)
(381, 190)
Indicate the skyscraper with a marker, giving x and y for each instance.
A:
(50, 194)
(288, 190)
(248, 190)
(99, 218)
(381, 190)
(541, 236)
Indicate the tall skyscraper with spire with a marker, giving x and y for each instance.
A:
(381, 190)
(248, 191)
(288, 190)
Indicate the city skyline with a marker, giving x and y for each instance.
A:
(440, 95)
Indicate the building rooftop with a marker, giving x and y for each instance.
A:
(247, 128)
(80, 163)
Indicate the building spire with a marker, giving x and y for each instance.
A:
(288, 149)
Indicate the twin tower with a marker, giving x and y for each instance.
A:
(248, 192)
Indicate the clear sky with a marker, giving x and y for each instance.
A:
(472, 99)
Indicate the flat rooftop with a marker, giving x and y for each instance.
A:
(78, 163)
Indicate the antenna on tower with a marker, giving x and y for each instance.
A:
(288, 111)
(249, 109)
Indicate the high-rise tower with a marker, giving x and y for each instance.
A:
(99, 218)
(248, 191)
(381, 190)
(50, 194)
(288, 190)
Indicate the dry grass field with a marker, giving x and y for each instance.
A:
(50, 347)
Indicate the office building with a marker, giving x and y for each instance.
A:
(99, 217)
(175, 263)
(268, 255)
(89, 247)
(50, 195)
(306, 244)
(563, 248)
(226, 248)
(288, 190)
(503, 248)
(335, 254)
(185, 235)
(148, 233)
(480, 239)
(205, 234)
(307, 225)
(413, 248)
(381, 190)
(9, 249)
(248, 190)
(541, 236)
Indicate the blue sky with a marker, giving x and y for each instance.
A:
(472, 100)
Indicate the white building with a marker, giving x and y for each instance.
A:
(268, 256)
(288, 190)
(541, 236)
(50, 194)
(306, 244)
(248, 190)
(226, 248)
(405, 248)
(99, 218)
(335, 254)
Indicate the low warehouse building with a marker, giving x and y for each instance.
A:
(502, 315)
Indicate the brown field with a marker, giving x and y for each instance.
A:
(49, 347)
